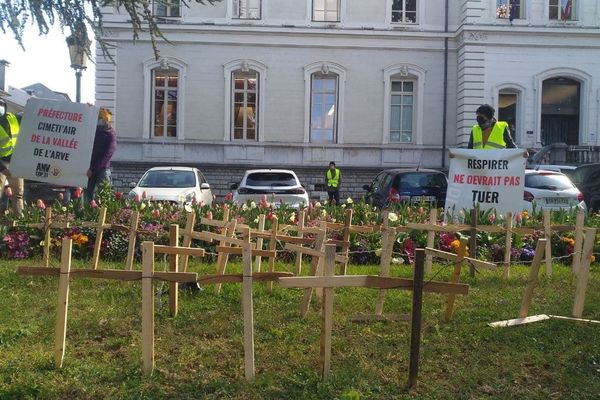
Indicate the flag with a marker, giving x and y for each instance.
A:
(566, 12)
(512, 11)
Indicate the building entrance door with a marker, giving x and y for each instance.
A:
(560, 111)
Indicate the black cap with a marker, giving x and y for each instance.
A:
(331, 163)
(486, 110)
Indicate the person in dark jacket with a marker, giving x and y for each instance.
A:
(105, 144)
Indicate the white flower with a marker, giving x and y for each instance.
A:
(323, 213)
(343, 206)
(256, 221)
(293, 218)
(317, 205)
(244, 207)
(64, 208)
(253, 205)
(142, 206)
(349, 200)
(187, 208)
(397, 260)
(393, 217)
(378, 252)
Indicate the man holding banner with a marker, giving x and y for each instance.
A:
(488, 133)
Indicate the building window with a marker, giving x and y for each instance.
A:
(508, 110)
(562, 10)
(404, 11)
(509, 9)
(323, 107)
(165, 92)
(246, 9)
(326, 10)
(167, 8)
(244, 105)
(402, 111)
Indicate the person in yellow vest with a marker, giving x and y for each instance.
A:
(488, 133)
(9, 132)
(334, 179)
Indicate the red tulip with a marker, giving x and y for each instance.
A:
(77, 193)
(93, 204)
(144, 194)
(40, 204)
(136, 198)
(118, 195)
(156, 213)
(229, 196)
(209, 215)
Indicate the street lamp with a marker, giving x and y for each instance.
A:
(77, 51)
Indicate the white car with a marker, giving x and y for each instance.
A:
(550, 190)
(279, 186)
(180, 185)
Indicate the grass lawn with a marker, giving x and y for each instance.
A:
(199, 354)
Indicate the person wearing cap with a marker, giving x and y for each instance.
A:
(489, 133)
(333, 178)
(105, 144)
(9, 132)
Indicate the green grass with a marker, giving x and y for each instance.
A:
(199, 354)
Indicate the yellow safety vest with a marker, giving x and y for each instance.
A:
(333, 181)
(496, 139)
(8, 140)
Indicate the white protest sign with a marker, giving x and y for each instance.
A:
(489, 178)
(55, 142)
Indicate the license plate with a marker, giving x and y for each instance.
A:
(557, 200)
(418, 199)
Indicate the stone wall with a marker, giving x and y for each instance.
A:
(220, 177)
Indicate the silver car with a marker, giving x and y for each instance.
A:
(278, 185)
(550, 190)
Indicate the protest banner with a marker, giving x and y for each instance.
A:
(488, 178)
(55, 142)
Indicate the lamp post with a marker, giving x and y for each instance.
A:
(77, 51)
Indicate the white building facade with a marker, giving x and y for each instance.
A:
(368, 84)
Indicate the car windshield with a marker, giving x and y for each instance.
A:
(168, 179)
(414, 180)
(271, 179)
(548, 181)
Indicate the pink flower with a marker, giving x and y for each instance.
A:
(156, 213)
(61, 197)
(492, 218)
(229, 196)
(40, 204)
(118, 195)
(93, 204)
(77, 193)
(209, 215)
(8, 191)
(136, 198)
(518, 218)
(144, 194)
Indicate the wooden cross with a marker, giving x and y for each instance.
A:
(100, 226)
(47, 227)
(328, 282)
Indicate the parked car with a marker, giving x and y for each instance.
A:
(550, 190)
(279, 185)
(565, 169)
(587, 179)
(407, 185)
(180, 185)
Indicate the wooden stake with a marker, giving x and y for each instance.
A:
(327, 313)
(247, 306)
(548, 236)
(473, 240)
(508, 244)
(319, 270)
(462, 252)
(272, 247)
(584, 271)
(60, 332)
(346, 238)
(223, 258)
(47, 235)
(99, 234)
(173, 267)
(577, 248)
(533, 277)
(314, 263)
(385, 260)
(187, 239)
(133, 224)
(147, 307)
(415, 326)
(430, 239)
(259, 241)
(298, 262)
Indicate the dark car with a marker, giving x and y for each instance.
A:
(407, 185)
(587, 179)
